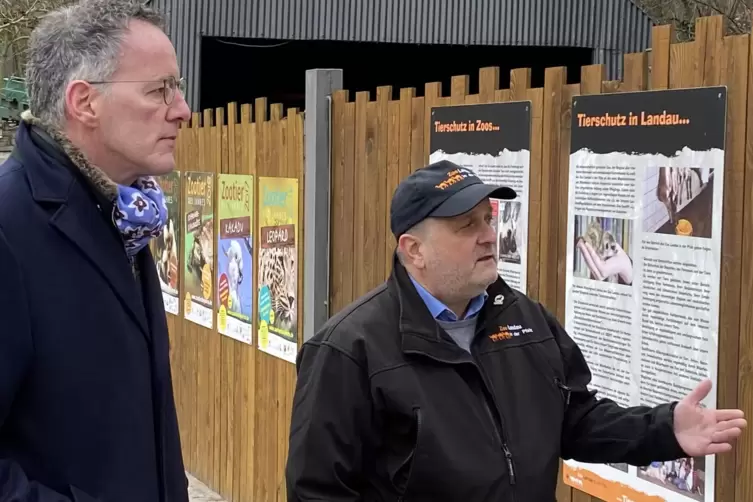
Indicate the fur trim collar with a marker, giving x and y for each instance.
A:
(98, 178)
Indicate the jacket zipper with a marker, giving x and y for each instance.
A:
(401, 498)
(498, 428)
(564, 390)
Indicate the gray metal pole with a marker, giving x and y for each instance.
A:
(320, 84)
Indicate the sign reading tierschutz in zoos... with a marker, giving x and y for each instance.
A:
(494, 141)
(235, 293)
(644, 263)
(278, 267)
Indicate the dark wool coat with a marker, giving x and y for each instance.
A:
(86, 404)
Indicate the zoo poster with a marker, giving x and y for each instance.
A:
(235, 292)
(494, 141)
(644, 255)
(165, 247)
(199, 247)
(278, 267)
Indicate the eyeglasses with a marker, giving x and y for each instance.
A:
(170, 83)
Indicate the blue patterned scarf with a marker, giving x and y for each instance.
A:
(140, 213)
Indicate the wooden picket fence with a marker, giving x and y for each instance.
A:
(234, 402)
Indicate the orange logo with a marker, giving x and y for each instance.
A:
(454, 176)
(502, 334)
(509, 331)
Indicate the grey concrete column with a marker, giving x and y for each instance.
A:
(320, 84)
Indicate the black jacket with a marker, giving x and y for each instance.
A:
(387, 407)
(86, 403)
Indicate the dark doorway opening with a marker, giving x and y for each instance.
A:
(241, 70)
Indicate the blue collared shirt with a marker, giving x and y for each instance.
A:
(441, 312)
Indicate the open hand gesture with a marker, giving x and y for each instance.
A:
(701, 431)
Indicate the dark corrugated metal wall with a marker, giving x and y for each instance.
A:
(612, 27)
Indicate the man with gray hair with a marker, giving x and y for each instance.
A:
(86, 405)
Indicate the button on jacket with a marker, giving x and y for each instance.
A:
(388, 408)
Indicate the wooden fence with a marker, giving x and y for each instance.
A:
(234, 401)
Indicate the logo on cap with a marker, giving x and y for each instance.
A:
(455, 176)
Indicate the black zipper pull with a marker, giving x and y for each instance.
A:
(510, 467)
(566, 390)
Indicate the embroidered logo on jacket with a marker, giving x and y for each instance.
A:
(509, 331)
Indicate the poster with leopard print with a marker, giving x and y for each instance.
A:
(277, 307)
(198, 248)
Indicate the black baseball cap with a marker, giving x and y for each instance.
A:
(440, 190)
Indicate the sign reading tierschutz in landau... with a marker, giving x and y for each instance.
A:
(278, 267)
(235, 293)
(165, 247)
(494, 141)
(199, 248)
(644, 255)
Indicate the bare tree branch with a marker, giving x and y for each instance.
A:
(729, 15)
(18, 18)
(684, 13)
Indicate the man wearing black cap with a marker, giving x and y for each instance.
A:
(444, 384)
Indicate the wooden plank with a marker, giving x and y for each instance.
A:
(744, 460)
(561, 197)
(226, 345)
(712, 54)
(735, 76)
(520, 82)
(373, 179)
(245, 361)
(432, 96)
(419, 131)
(233, 348)
(392, 178)
(341, 212)
(348, 205)
(591, 82)
(406, 135)
(661, 37)
(190, 333)
(205, 432)
(383, 192)
(684, 64)
(280, 144)
(554, 83)
(265, 432)
(359, 197)
(459, 85)
(536, 96)
(611, 86)
(636, 72)
(502, 95)
(488, 83)
(213, 341)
